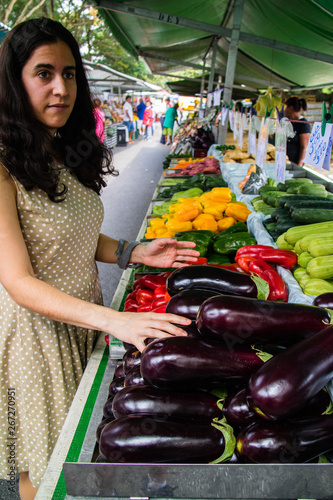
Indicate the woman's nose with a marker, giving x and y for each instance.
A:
(59, 86)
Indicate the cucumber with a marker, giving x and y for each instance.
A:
(285, 225)
(297, 180)
(288, 201)
(296, 233)
(282, 200)
(264, 189)
(311, 215)
(279, 212)
(316, 189)
(318, 202)
(272, 197)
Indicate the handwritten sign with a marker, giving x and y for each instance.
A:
(262, 143)
(318, 152)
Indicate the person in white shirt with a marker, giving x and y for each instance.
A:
(128, 116)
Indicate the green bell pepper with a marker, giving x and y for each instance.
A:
(217, 258)
(239, 227)
(232, 242)
(189, 193)
(202, 239)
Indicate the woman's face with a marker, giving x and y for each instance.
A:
(49, 80)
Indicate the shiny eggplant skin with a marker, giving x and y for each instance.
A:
(187, 302)
(288, 442)
(324, 300)
(147, 400)
(283, 385)
(143, 439)
(131, 358)
(178, 362)
(101, 426)
(119, 371)
(116, 385)
(134, 377)
(238, 320)
(215, 279)
(237, 411)
(107, 408)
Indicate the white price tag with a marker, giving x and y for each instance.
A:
(231, 120)
(224, 115)
(319, 148)
(262, 143)
(240, 132)
(280, 153)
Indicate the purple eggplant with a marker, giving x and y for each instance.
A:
(131, 358)
(324, 300)
(285, 384)
(116, 385)
(119, 371)
(238, 320)
(147, 400)
(183, 362)
(215, 279)
(187, 302)
(144, 439)
(237, 411)
(107, 408)
(101, 426)
(101, 460)
(287, 442)
(134, 377)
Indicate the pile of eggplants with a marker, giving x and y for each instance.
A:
(217, 395)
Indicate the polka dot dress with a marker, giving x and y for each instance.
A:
(42, 361)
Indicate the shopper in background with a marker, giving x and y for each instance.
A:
(128, 116)
(99, 119)
(296, 146)
(52, 170)
(165, 106)
(140, 109)
(169, 121)
(148, 120)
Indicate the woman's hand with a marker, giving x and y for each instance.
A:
(166, 252)
(135, 328)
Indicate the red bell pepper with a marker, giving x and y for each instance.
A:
(158, 302)
(167, 297)
(201, 261)
(244, 262)
(144, 297)
(277, 288)
(160, 292)
(283, 258)
(131, 305)
(144, 308)
(160, 309)
(251, 251)
(152, 281)
(231, 267)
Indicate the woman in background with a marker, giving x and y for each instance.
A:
(296, 146)
(99, 119)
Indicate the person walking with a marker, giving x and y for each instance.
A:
(52, 170)
(99, 119)
(169, 121)
(140, 112)
(148, 120)
(128, 116)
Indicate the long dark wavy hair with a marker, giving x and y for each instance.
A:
(26, 148)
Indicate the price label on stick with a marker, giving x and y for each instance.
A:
(240, 132)
(252, 144)
(318, 152)
(262, 143)
(231, 120)
(224, 115)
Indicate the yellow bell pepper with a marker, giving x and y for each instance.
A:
(237, 211)
(215, 208)
(175, 225)
(226, 222)
(156, 223)
(209, 224)
(150, 233)
(162, 232)
(202, 219)
(221, 194)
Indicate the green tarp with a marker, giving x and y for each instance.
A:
(176, 34)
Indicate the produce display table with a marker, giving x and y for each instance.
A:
(71, 474)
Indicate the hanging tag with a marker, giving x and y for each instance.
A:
(209, 100)
(280, 153)
(224, 115)
(240, 132)
(318, 151)
(252, 144)
(217, 97)
(231, 120)
(236, 124)
(262, 143)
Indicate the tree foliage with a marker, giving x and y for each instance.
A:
(93, 35)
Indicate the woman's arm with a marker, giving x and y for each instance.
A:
(18, 278)
(303, 144)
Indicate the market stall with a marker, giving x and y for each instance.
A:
(73, 471)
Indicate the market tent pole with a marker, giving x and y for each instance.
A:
(231, 65)
(202, 87)
(212, 66)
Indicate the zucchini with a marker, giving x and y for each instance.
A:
(321, 267)
(296, 233)
(303, 280)
(321, 246)
(285, 225)
(303, 259)
(311, 215)
(271, 227)
(298, 248)
(316, 189)
(298, 273)
(272, 196)
(317, 287)
(265, 188)
(283, 244)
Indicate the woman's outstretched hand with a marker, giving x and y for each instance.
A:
(168, 252)
(135, 328)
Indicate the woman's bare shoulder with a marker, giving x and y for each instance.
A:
(6, 180)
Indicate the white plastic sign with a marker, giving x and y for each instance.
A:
(224, 115)
(252, 144)
(262, 143)
(318, 152)
(280, 154)
(240, 132)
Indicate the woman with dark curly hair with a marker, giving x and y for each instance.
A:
(52, 170)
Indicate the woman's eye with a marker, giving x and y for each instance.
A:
(69, 76)
(43, 74)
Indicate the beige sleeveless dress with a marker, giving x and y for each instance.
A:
(42, 361)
